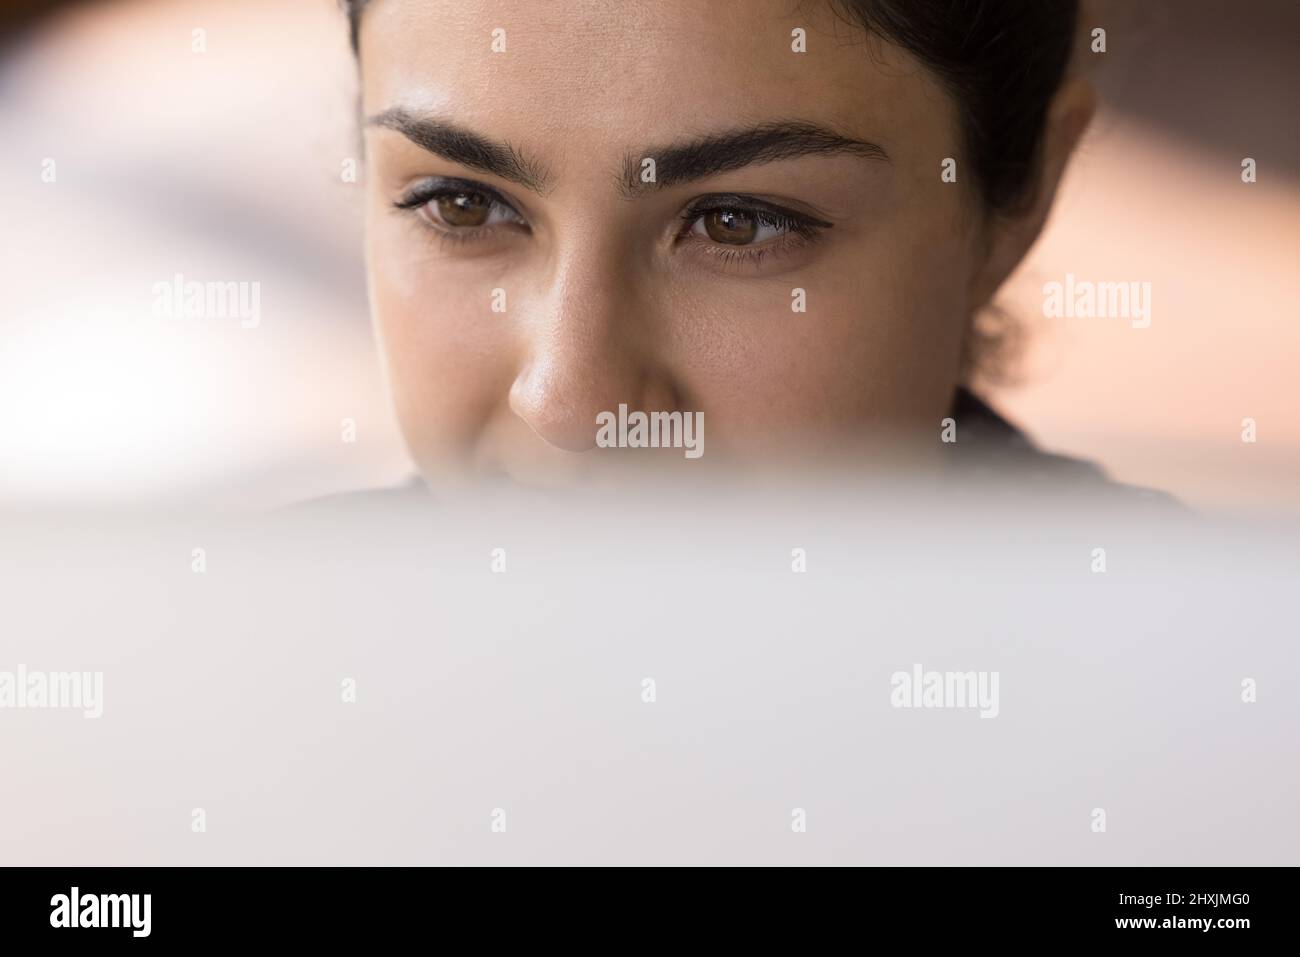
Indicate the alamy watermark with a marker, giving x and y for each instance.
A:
(919, 688)
(651, 430)
(69, 690)
(75, 909)
(180, 299)
(1084, 299)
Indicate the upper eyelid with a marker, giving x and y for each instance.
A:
(425, 189)
(705, 204)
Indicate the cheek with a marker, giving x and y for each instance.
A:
(447, 353)
(879, 340)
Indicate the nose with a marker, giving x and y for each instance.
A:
(589, 348)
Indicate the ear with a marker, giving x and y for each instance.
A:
(1010, 236)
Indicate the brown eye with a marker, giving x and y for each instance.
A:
(464, 210)
(730, 226)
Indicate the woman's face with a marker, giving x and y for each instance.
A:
(793, 265)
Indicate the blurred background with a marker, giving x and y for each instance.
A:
(128, 157)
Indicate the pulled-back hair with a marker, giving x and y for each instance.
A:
(1002, 61)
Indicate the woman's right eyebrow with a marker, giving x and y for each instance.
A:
(463, 146)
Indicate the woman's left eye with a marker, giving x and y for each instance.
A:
(740, 227)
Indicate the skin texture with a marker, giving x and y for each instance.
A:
(615, 298)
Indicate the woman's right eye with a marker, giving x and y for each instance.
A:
(467, 210)
(461, 209)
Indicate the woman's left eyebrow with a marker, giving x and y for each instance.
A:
(716, 153)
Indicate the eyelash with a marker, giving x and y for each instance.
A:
(795, 229)
(421, 194)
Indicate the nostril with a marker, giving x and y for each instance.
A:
(658, 395)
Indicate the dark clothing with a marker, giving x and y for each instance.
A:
(989, 447)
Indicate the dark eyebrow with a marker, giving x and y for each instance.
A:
(707, 155)
(463, 146)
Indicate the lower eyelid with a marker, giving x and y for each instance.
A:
(787, 244)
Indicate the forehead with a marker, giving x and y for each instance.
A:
(611, 73)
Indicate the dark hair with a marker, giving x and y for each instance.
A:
(1001, 61)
